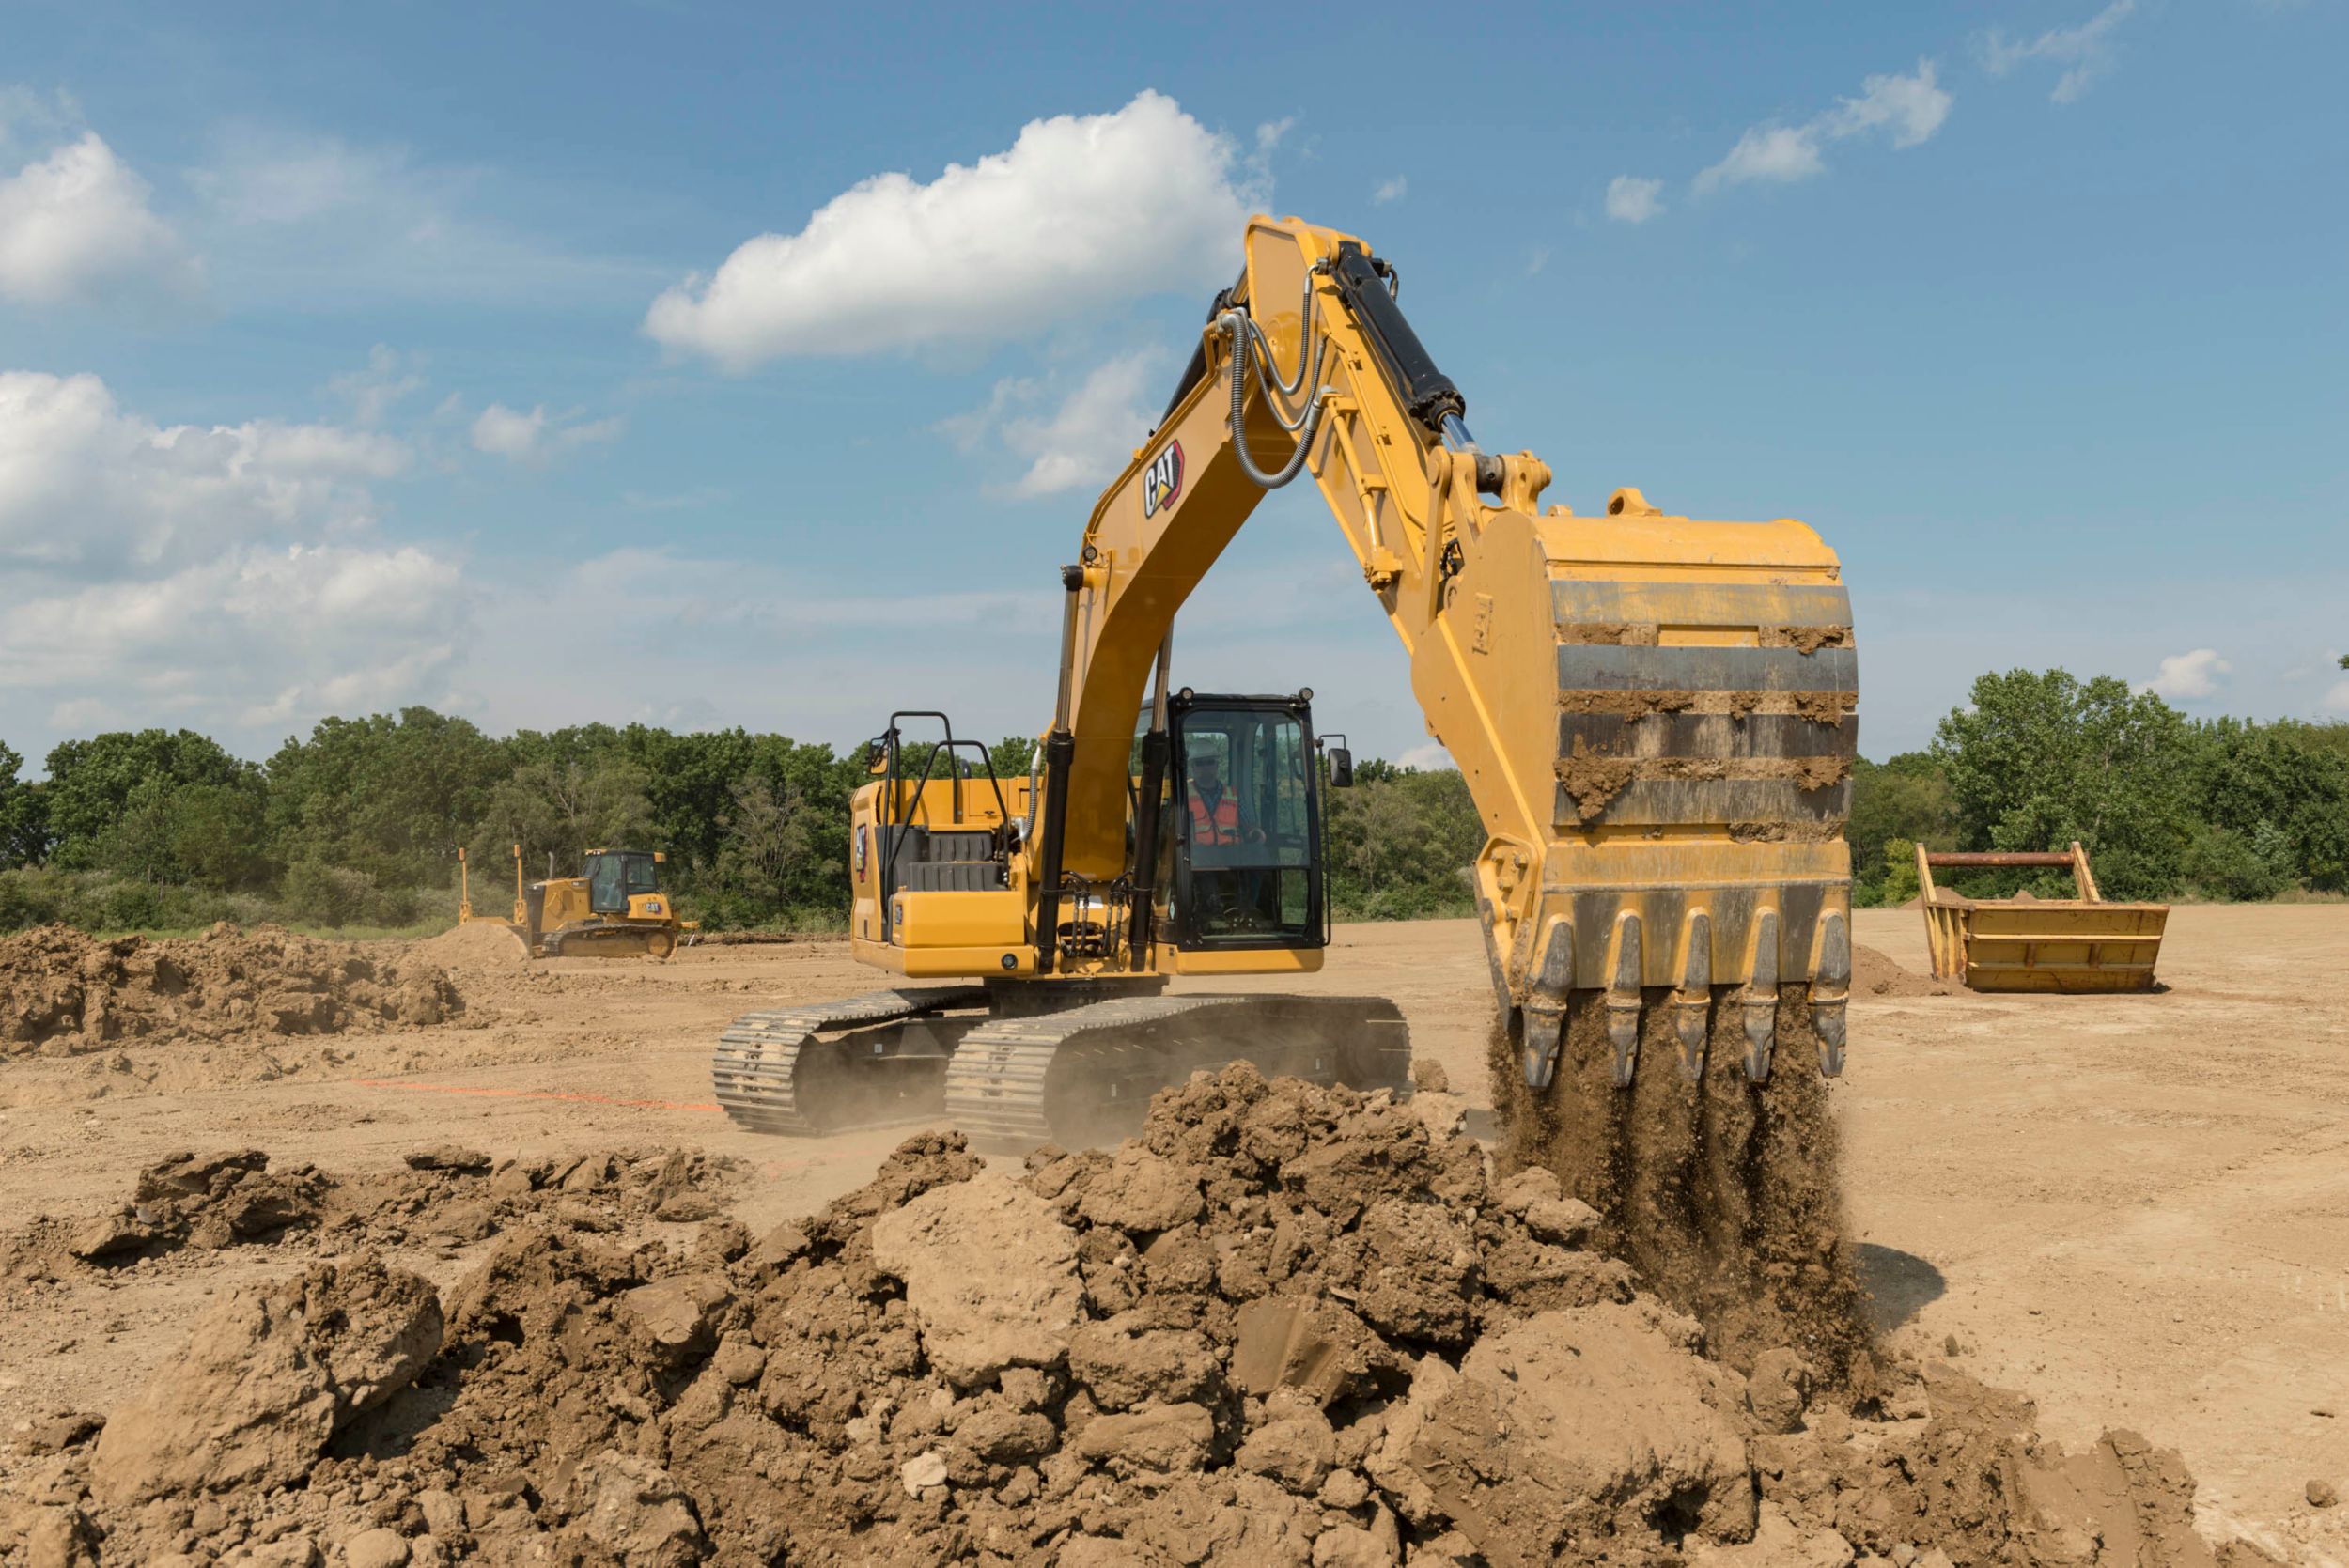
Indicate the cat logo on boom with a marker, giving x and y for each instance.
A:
(1162, 481)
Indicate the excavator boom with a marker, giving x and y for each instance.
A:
(1655, 715)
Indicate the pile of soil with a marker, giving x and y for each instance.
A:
(1284, 1326)
(475, 947)
(446, 1197)
(63, 993)
(1873, 973)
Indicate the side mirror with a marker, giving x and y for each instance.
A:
(1341, 768)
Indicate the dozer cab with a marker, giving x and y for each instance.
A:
(616, 907)
(1653, 715)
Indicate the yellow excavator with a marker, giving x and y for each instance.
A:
(1653, 715)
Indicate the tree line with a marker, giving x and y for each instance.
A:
(2167, 806)
(356, 825)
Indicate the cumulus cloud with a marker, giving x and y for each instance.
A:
(1907, 109)
(2084, 51)
(224, 575)
(87, 487)
(1632, 200)
(533, 438)
(1390, 190)
(1085, 440)
(2185, 676)
(76, 227)
(1079, 212)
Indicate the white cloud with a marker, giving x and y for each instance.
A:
(1632, 200)
(75, 227)
(2084, 51)
(1909, 108)
(87, 487)
(1088, 436)
(390, 376)
(2337, 700)
(1428, 758)
(1081, 211)
(1391, 190)
(533, 438)
(220, 576)
(1912, 106)
(2187, 676)
(216, 641)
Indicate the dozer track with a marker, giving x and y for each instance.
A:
(773, 1074)
(1084, 1075)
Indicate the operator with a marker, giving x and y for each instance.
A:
(1216, 817)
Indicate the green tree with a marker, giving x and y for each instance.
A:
(23, 815)
(387, 796)
(91, 783)
(1400, 842)
(1906, 800)
(2040, 759)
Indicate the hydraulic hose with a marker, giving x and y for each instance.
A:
(1242, 332)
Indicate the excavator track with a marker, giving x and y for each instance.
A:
(771, 1069)
(1086, 1075)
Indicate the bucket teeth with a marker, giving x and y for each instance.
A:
(1761, 1002)
(1693, 1003)
(1545, 1011)
(1545, 1033)
(1830, 991)
(1623, 1000)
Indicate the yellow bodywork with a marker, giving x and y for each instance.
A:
(2038, 944)
(567, 919)
(1654, 714)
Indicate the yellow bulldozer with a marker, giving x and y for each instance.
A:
(1655, 716)
(616, 907)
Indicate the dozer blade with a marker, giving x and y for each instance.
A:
(1084, 1075)
(836, 1065)
(1707, 682)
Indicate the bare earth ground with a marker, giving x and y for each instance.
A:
(2134, 1209)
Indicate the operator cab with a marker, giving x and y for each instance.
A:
(614, 876)
(1243, 823)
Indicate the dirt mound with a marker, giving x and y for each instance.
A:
(472, 948)
(1875, 974)
(65, 994)
(446, 1197)
(1286, 1325)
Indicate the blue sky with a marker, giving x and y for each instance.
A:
(353, 357)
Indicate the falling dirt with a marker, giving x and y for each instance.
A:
(1721, 1194)
(1286, 1325)
(66, 994)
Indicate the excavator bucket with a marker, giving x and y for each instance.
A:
(1706, 683)
(2037, 944)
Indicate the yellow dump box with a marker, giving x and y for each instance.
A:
(2038, 944)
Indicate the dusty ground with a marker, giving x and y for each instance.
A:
(2130, 1208)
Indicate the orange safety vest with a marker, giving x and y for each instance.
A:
(1222, 826)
